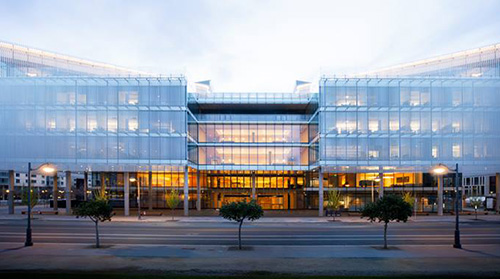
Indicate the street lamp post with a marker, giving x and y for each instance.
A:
(47, 168)
(441, 169)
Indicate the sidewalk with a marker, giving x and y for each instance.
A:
(217, 219)
(213, 218)
(474, 260)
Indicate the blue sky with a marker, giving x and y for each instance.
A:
(252, 45)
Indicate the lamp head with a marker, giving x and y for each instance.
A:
(132, 179)
(48, 169)
(440, 169)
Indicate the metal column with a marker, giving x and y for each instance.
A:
(103, 184)
(186, 191)
(320, 193)
(253, 186)
(497, 185)
(11, 192)
(85, 185)
(198, 191)
(381, 185)
(150, 191)
(55, 192)
(440, 196)
(126, 196)
(68, 192)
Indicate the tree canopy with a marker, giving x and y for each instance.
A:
(386, 209)
(172, 199)
(239, 211)
(97, 210)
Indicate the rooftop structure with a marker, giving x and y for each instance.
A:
(479, 62)
(21, 61)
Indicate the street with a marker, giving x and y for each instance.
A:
(206, 246)
(222, 232)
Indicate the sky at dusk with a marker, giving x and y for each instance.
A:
(247, 46)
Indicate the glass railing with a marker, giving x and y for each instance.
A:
(258, 97)
(253, 117)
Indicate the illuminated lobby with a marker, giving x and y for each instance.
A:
(365, 135)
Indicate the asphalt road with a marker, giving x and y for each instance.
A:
(172, 233)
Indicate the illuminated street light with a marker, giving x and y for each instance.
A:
(442, 169)
(46, 168)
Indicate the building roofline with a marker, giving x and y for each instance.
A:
(69, 59)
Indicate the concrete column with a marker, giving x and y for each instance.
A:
(497, 185)
(381, 185)
(198, 191)
(85, 185)
(55, 192)
(321, 192)
(254, 197)
(103, 183)
(11, 192)
(186, 191)
(68, 192)
(126, 194)
(150, 191)
(440, 196)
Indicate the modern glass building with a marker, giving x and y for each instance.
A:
(364, 135)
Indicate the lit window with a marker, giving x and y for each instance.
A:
(434, 152)
(52, 124)
(373, 126)
(415, 126)
(133, 98)
(112, 124)
(133, 124)
(394, 125)
(456, 126)
(91, 125)
(435, 126)
(373, 153)
(414, 98)
(456, 151)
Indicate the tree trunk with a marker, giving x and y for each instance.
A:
(239, 235)
(385, 235)
(475, 211)
(97, 234)
(172, 214)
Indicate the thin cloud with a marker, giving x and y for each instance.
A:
(252, 45)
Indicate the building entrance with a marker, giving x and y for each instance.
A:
(273, 190)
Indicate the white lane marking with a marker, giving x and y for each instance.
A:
(55, 234)
(209, 246)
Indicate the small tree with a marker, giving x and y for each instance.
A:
(172, 199)
(386, 209)
(239, 211)
(408, 197)
(33, 198)
(98, 210)
(475, 203)
(333, 201)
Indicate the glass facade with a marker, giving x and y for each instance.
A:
(102, 124)
(408, 122)
(282, 149)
